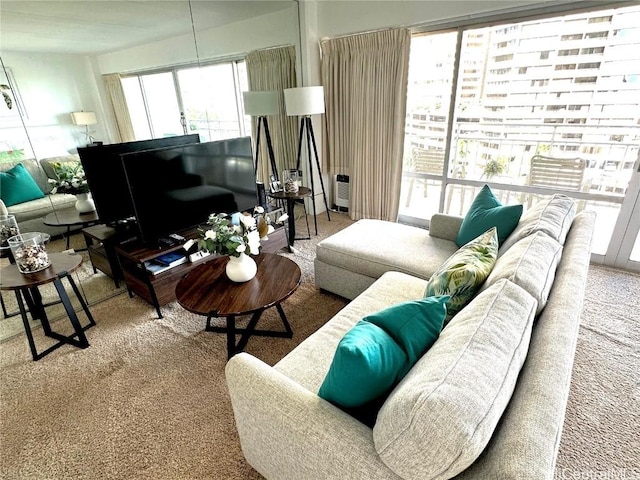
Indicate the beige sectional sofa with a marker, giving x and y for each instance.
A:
(487, 400)
(30, 214)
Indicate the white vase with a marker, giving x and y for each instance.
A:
(241, 269)
(84, 203)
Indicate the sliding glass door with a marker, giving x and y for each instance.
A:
(624, 249)
(531, 108)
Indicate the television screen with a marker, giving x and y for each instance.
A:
(179, 187)
(106, 178)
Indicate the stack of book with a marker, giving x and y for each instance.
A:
(165, 262)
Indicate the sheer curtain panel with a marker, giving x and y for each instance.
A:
(365, 81)
(120, 109)
(275, 69)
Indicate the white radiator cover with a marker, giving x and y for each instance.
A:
(342, 191)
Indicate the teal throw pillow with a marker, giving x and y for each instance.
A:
(18, 186)
(380, 349)
(463, 273)
(485, 212)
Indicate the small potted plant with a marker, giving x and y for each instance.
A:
(71, 179)
(237, 241)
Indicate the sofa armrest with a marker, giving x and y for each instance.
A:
(445, 226)
(286, 431)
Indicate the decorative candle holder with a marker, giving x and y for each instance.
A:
(29, 252)
(8, 229)
(290, 181)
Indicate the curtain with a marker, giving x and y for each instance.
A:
(120, 109)
(274, 69)
(365, 80)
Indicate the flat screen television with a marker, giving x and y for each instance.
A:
(179, 187)
(106, 178)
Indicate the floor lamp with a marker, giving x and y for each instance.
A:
(261, 104)
(304, 102)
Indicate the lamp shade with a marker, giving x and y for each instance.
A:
(261, 103)
(304, 100)
(83, 118)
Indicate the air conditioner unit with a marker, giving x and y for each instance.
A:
(342, 192)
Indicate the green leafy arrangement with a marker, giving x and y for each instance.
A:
(70, 178)
(225, 238)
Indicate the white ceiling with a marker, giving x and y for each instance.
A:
(101, 26)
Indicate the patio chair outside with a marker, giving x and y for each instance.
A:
(557, 173)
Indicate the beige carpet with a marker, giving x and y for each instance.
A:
(148, 399)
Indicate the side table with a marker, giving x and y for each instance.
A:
(206, 290)
(70, 217)
(291, 199)
(101, 241)
(26, 290)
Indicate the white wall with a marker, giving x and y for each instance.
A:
(235, 39)
(347, 16)
(51, 86)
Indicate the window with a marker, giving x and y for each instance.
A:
(585, 79)
(526, 87)
(207, 99)
(582, 66)
(605, 19)
(603, 34)
(592, 50)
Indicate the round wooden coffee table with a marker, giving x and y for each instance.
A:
(207, 291)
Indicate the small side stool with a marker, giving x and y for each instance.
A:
(26, 290)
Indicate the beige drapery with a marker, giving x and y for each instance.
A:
(274, 69)
(120, 109)
(365, 84)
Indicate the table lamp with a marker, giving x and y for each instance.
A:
(85, 119)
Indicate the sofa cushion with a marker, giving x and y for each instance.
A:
(34, 169)
(441, 416)
(17, 186)
(552, 215)
(373, 247)
(531, 263)
(380, 349)
(485, 212)
(309, 362)
(365, 365)
(462, 274)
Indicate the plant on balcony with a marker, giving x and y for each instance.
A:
(494, 167)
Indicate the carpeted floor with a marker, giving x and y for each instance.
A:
(148, 398)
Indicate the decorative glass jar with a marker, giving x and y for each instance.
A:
(29, 252)
(8, 228)
(290, 181)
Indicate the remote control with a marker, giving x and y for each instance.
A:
(177, 237)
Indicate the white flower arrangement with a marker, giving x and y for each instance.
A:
(71, 178)
(225, 238)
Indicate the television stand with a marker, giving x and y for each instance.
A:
(160, 289)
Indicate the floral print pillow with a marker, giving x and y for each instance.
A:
(464, 272)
